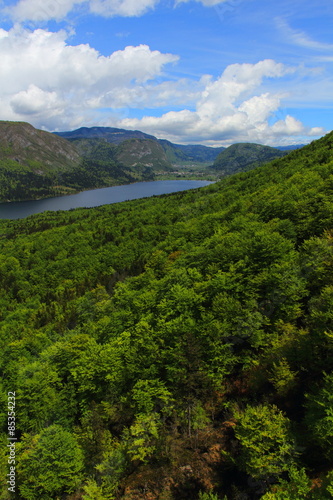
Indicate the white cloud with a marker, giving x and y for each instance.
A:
(300, 38)
(43, 77)
(150, 95)
(227, 111)
(34, 100)
(290, 126)
(41, 10)
(54, 85)
(237, 81)
(125, 8)
(259, 108)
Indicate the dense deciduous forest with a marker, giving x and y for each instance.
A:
(178, 347)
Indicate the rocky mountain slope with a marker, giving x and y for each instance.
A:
(40, 150)
(137, 153)
(37, 164)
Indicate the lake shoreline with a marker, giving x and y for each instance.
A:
(89, 198)
(74, 192)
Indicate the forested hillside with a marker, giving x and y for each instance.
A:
(143, 154)
(32, 162)
(180, 154)
(178, 347)
(245, 156)
(176, 153)
(37, 164)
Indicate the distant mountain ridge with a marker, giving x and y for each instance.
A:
(175, 153)
(180, 153)
(110, 134)
(291, 147)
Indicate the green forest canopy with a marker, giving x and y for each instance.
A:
(178, 347)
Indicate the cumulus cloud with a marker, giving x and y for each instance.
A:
(39, 10)
(34, 100)
(237, 80)
(228, 112)
(43, 77)
(290, 126)
(58, 86)
(150, 95)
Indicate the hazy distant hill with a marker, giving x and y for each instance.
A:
(290, 148)
(179, 153)
(242, 156)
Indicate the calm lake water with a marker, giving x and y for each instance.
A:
(96, 197)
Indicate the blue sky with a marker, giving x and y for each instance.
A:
(206, 71)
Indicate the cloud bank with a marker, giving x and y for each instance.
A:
(228, 112)
(47, 81)
(58, 86)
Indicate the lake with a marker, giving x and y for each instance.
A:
(96, 197)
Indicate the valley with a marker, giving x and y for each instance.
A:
(35, 164)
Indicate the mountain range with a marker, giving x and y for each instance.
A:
(37, 164)
(168, 152)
